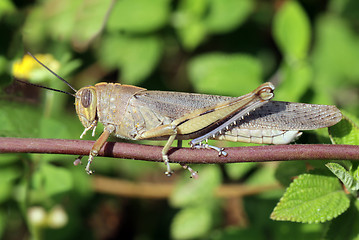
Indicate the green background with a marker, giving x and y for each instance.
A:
(309, 49)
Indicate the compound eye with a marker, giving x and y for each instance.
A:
(86, 98)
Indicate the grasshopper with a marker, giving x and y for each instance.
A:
(135, 113)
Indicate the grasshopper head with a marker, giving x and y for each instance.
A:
(86, 102)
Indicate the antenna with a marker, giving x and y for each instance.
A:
(67, 83)
(48, 88)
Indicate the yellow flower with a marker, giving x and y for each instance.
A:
(28, 68)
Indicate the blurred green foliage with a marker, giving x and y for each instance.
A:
(309, 49)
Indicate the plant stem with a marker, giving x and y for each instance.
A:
(183, 155)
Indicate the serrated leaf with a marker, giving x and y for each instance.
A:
(224, 16)
(346, 131)
(56, 179)
(199, 191)
(287, 170)
(344, 176)
(311, 199)
(346, 225)
(227, 74)
(192, 222)
(292, 30)
(138, 16)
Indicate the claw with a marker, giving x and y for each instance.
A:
(194, 174)
(168, 174)
(206, 146)
(221, 152)
(78, 160)
(87, 169)
(169, 171)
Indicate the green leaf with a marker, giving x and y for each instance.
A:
(139, 16)
(188, 22)
(18, 120)
(68, 65)
(6, 7)
(53, 128)
(296, 81)
(346, 225)
(227, 74)
(224, 16)
(287, 170)
(56, 179)
(89, 20)
(136, 56)
(311, 199)
(333, 64)
(6, 189)
(199, 191)
(292, 31)
(8, 158)
(192, 34)
(7, 177)
(236, 171)
(235, 233)
(192, 222)
(78, 21)
(346, 131)
(347, 179)
(9, 174)
(3, 222)
(263, 175)
(63, 18)
(83, 185)
(4, 70)
(193, 20)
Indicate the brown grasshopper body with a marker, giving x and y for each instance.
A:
(135, 113)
